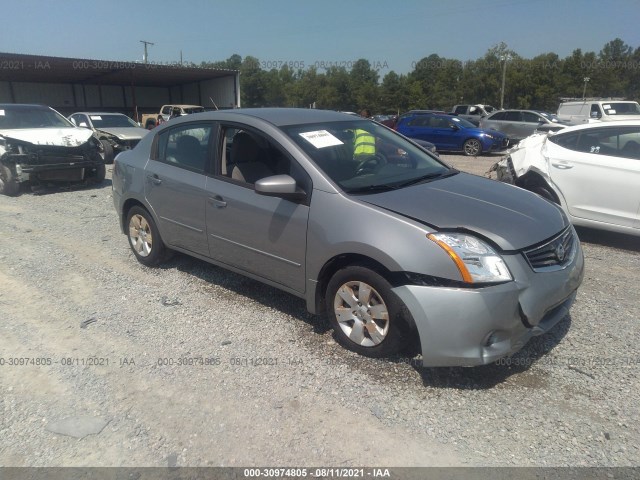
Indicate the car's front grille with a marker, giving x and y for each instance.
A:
(554, 254)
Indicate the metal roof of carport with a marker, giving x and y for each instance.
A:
(37, 68)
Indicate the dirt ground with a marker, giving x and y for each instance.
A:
(190, 365)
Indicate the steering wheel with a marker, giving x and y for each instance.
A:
(371, 164)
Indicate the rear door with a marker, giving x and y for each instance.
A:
(598, 172)
(175, 184)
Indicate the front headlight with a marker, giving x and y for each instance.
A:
(477, 261)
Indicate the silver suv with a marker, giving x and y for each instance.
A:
(397, 247)
(519, 124)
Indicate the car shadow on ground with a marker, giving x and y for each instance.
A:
(259, 292)
(515, 370)
(52, 188)
(609, 239)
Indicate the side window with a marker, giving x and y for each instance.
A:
(497, 116)
(185, 146)
(247, 156)
(596, 112)
(531, 117)
(512, 116)
(621, 142)
(417, 121)
(166, 110)
(461, 109)
(566, 140)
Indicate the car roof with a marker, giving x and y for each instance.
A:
(615, 123)
(277, 116)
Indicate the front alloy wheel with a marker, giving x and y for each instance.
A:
(366, 316)
(472, 147)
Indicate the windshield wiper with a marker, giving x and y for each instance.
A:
(428, 176)
(371, 189)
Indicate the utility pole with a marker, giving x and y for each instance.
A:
(584, 90)
(146, 57)
(504, 58)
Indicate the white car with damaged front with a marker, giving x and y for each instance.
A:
(592, 171)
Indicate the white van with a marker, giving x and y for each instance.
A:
(598, 110)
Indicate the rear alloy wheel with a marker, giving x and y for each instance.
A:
(8, 184)
(367, 317)
(144, 239)
(472, 147)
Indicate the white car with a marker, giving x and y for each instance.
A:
(591, 170)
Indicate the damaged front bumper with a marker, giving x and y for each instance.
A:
(469, 327)
(504, 170)
(51, 163)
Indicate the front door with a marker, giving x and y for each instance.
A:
(265, 236)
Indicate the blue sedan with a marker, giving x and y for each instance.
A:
(450, 133)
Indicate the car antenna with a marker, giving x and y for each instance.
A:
(214, 103)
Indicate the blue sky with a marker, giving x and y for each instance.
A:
(392, 35)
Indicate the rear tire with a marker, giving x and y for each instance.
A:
(144, 239)
(366, 316)
(8, 184)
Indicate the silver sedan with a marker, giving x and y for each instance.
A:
(396, 247)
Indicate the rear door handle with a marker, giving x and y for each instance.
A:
(562, 166)
(217, 201)
(155, 179)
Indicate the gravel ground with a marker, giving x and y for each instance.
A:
(190, 365)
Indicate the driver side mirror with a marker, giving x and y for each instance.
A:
(279, 186)
(454, 127)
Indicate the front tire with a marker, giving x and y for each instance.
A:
(545, 193)
(98, 175)
(108, 151)
(8, 184)
(366, 316)
(144, 238)
(472, 147)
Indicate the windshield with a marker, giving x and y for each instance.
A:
(630, 108)
(363, 157)
(111, 121)
(31, 117)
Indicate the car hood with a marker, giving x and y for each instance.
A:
(125, 133)
(59, 136)
(509, 216)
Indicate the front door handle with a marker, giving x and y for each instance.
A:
(217, 201)
(562, 166)
(155, 179)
